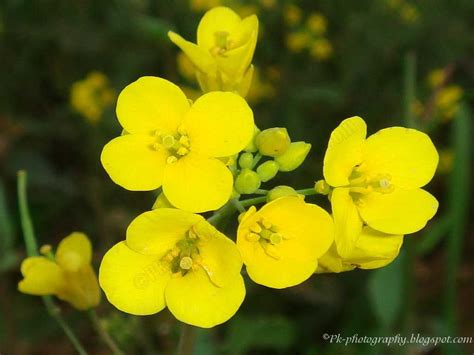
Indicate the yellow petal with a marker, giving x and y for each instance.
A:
(219, 124)
(199, 56)
(398, 212)
(132, 282)
(307, 231)
(408, 156)
(333, 262)
(375, 249)
(347, 221)
(74, 252)
(218, 19)
(156, 232)
(81, 288)
(344, 151)
(220, 257)
(132, 163)
(150, 104)
(41, 276)
(195, 300)
(197, 184)
(246, 82)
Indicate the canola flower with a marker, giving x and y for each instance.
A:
(281, 243)
(377, 180)
(91, 96)
(176, 259)
(67, 275)
(170, 143)
(224, 50)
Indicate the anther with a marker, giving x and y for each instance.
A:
(184, 140)
(256, 228)
(171, 159)
(182, 151)
(384, 183)
(186, 263)
(275, 238)
(252, 237)
(168, 141)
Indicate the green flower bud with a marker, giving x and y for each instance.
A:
(281, 191)
(246, 160)
(161, 202)
(322, 187)
(273, 142)
(294, 156)
(268, 170)
(251, 147)
(247, 182)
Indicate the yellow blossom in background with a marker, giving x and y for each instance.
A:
(292, 14)
(174, 144)
(268, 4)
(245, 10)
(378, 180)
(317, 23)
(409, 13)
(281, 243)
(447, 101)
(176, 259)
(321, 49)
(446, 161)
(372, 250)
(436, 78)
(203, 5)
(68, 275)
(298, 40)
(224, 50)
(91, 96)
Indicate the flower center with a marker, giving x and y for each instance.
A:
(177, 144)
(184, 257)
(267, 235)
(362, 183)
(222, 43)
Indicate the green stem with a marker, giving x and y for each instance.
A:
(261, 192)
(186, 340)
(253, 201)
(32, 250)
(409, 89)
(307, 192)
(104, 335)
(256, 159)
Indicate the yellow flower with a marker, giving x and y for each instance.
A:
(377, 180)
(297, 41)
(203, 5)
(70, 276)
(436, 78)
(317, 23)
(175, 145)
(91, 96)
(321, 48)
(409, 13)
(372, 250)
(224, 50)
(292, 15)
(447, 100)
(282, 242)
(176, 259)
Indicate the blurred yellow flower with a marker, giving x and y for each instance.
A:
(378, 180)
(409, 13)
(372, 250)
(317, 23)
(268, 4)
(176, 259)
(446, 161)
(436, 78)
(292, 14)
(447, 101)
(203, 5)
(172, 144)
(68, 275)
(91, 96)
(298, 40)
(281, 243)
(224, 50)
(321, 49)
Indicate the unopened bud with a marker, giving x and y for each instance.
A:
(273, 142)
(251, 147)
(294, 156)
(281, 191)
(322, 187)
(247, 182)
(267, 170)
(246, 160)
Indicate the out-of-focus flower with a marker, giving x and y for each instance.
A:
(297, 41)
(68, 275)
(203, 5)
(317, 23)
(409, 13)
(224, 50)
(91, 96)
(446, 161)
(321, 49)
(176, 259)
(268, 4)
(281, 243)
(447, 101)
(292, 14)
(436, 78)
(378, 180)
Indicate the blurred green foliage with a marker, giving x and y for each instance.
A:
(47, 45)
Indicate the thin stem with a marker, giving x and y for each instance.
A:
(256, 159)
(186, 340)
(238, 205)
(253, 201)
(307, 192)
(32, 250)
(261, 192)
(104, 335)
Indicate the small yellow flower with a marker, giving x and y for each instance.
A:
(175, 145)
(176, 259)
(372, 250)
(203, 5)
(321, 49)
(447, 101)
(91, 96)
(282, 242)
(409, 13)
(70, 276)
(292, 15)
(377, 180)
(317, 23)
(436, 78)
(224, 50)
(297, 41)
(446, 161)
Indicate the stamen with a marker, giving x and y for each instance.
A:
(168, 141)
(384, 183)
(186, 263)
(252, 237)
(275, 238)
(171, 159)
